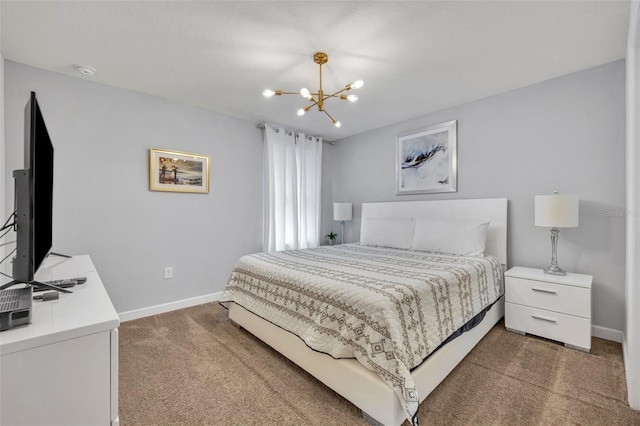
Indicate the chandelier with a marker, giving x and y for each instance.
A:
(318, 98)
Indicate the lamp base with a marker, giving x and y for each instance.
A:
(554, 270)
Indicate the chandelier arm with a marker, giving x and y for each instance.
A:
(329, 115)
(314, 103)
(333, 95)
(287, 93)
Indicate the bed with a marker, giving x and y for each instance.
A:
(360, 318)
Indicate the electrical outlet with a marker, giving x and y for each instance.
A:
(168, 272)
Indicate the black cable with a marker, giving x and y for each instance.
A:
(8, 219)
(2, 236)
(7, 227)
(5, 258)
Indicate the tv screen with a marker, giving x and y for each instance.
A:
(34, 197)
(41, 165)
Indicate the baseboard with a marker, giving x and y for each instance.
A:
(606, 333)
(625, 358)
(631, 367)
(168, 307)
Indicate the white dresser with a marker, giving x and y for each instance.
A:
(62, 369)
(550, 306)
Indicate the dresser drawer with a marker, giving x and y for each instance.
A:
(569, 329)
(555, 297)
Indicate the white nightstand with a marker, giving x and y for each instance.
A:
(551, 306)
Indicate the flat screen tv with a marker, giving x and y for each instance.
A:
(33, 199)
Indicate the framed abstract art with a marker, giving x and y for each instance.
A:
(426, 160)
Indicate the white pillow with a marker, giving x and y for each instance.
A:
(463, 237)
(397, 233)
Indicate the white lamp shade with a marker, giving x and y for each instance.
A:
(342, 211)
(556, 211)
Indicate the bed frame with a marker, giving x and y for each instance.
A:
(362, 387)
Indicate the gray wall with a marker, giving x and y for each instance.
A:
(102, 203)
(3, 267)
(565, 134)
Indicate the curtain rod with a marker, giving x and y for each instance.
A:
(263, 126)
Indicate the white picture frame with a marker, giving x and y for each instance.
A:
(426, 160)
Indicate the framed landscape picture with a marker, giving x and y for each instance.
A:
(426, 160)
(177, 171)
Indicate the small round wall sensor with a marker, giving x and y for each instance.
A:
(85, 70)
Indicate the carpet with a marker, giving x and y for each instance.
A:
(194, 367)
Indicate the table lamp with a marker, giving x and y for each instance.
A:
(556, 211)
(342, 212)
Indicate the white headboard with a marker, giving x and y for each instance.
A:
(485, 208)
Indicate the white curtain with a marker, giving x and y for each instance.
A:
(292, 176)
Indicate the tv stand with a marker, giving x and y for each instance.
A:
(70, 351)
(35, 283)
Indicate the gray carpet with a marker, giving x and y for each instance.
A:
(193, 367)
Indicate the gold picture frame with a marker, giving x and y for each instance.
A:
(177, 171)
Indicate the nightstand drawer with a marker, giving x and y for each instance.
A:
(565, 299)
(569, 329)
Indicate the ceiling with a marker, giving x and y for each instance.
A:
(415, 57)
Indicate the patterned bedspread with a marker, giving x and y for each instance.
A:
(388, 308)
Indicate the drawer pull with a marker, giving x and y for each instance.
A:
(544, 290)
(543, 318)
